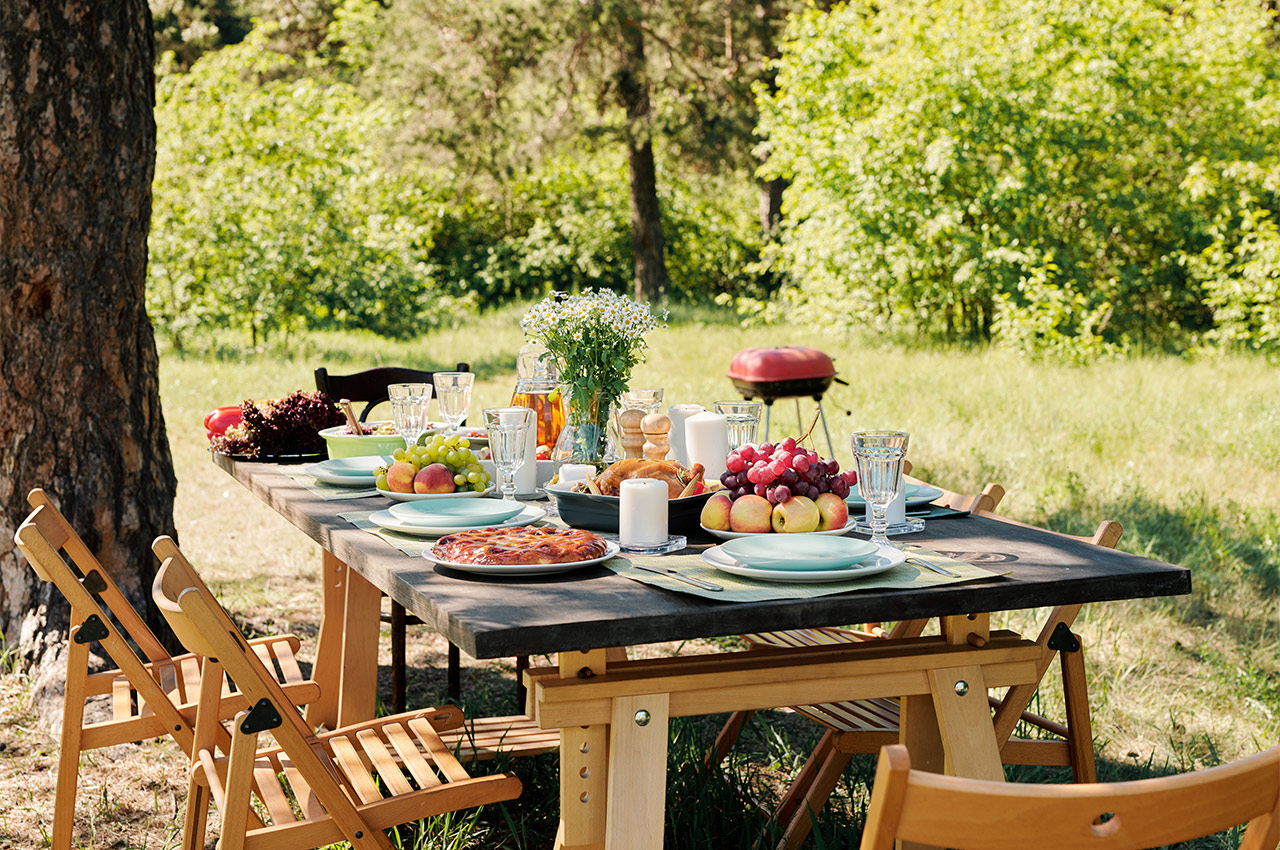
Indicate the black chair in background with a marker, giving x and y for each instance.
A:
(370, 386)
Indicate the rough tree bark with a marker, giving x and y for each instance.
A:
(647, 243)
(768, 20)
(79, 395)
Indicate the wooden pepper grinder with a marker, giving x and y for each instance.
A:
(656, 427)
(632, 435)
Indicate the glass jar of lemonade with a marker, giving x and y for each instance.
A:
(538, 388)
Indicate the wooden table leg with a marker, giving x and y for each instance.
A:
(584, 767)
(964, 723)
(358, 682)
(637, 772)
(327, 670)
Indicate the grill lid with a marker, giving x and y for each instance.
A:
(785, 363)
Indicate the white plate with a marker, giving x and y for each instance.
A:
(418, 497)
(885, 559)
(385, 519)
(918, 495)
(325, 470)
(733, 535)
(524, 569)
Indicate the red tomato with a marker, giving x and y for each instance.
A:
(221, 419)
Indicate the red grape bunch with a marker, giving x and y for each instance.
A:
(778, 472)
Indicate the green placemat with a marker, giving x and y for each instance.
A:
(329, 492)
(738, 589)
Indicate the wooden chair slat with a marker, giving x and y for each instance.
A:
(272, 795)
(308, 802)
(484, 738)
(190, 666)
(419, 768)
(352, 766)
(121, 699)
(291, 673)
(383, 762)
(440, 754)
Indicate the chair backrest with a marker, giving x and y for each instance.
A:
(971, 814)
(58, 555)
(1106, 535)
(370, 386)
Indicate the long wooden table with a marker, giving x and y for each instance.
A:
(613, 713)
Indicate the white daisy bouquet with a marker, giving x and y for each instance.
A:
(595, 339)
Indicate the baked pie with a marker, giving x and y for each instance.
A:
(521, 545)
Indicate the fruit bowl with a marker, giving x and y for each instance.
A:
(600, 513)
(342, 444)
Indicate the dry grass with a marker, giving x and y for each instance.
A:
(1184, 453)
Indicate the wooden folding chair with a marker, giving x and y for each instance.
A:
(352, 783)
(863, 726)
(987, 500)
(149, 698)
(972, 814)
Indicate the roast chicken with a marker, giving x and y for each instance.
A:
(677, 478)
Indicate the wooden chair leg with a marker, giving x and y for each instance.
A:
(824, 782)
(1079, 726)
(727, 738)
(792, 800)
(197, 816)
(399, 685)
(522, 694)
(64, 806)
(455, 674)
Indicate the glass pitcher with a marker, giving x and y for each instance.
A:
(538, 388)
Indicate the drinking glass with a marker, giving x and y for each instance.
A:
(453, 392)
(879, 457)
(648, 399)
(409, 410)
(743, 418)
(508, 434)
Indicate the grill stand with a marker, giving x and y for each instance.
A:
(768, 409)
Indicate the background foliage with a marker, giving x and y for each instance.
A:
(1071, 178)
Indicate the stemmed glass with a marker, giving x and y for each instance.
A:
(879, 457)
(508, 435)
(453, 392)
(409, 410)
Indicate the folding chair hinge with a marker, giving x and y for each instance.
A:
(91, 629)
(94, 582)
(1062, 640)
(261, 717)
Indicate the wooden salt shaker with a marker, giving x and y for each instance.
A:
(632, 436)
(656, 427)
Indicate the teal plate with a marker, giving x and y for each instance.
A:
(459, 512)
(798, 552)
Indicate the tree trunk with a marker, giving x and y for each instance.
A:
(647, 244)
(78, 368)
(768, 19)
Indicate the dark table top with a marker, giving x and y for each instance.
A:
(592, 607)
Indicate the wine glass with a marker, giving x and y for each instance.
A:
(879, 456)
(409, 410)
(453, 392)
(508, 435)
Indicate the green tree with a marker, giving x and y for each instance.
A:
(1008, 168)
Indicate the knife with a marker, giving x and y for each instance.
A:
(920, 562)
(696, 582)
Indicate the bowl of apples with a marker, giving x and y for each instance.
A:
(780, 488)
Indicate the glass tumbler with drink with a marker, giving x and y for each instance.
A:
(743, 418)
(879, 456)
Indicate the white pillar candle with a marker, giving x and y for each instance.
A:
(642, 512)
(678, 413)
(706, 438)
(897, 511)
(526, 477)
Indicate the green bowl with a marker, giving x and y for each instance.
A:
(342, 444)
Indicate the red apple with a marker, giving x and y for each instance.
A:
(750, 514)
(833, 511)
(715, 513)
(795, 515)
(434, 478)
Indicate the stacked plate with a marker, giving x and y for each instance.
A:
(347, 471)
(807, 559)
(918, 495)
(438, 517)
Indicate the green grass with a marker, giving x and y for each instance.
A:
(1184, 453)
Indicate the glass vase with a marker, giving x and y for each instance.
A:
(585, 436)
